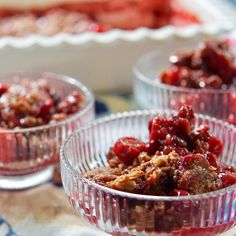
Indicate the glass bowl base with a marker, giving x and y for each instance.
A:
(26, 181)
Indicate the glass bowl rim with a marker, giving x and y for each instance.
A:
(65, 162)
(89, 97)
(144, 78)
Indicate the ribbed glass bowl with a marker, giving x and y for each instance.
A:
(27, 156)
(121, 213)
(151, 93)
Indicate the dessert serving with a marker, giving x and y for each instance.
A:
(177, 160)
(37, 112)
(146, 173)
(75, 17)
(211, 66)
(31, 103)
(203, 78)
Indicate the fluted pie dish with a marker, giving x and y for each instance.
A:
(38, 111)
(119, 207)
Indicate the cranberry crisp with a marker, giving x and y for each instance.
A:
(33, 103)
(177, 160)
(212, 65)
(77, 17)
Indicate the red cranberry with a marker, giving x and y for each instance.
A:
(202, 136)
(127, 149)
(186, 112)
(160, 128)
(45, 108)
(215, 146)
(228, 179)
(3, 89)
(170, 76)
(211, 159)
(183, 126)
(70, 104)
(179, 193)
(186, 159)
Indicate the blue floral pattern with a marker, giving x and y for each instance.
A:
(6, 228)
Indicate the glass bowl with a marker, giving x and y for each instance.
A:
(27, 156)
(151, 93)
(121, 213)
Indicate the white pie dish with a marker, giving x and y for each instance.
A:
(104, 61)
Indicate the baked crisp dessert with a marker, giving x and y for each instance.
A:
(205, 77)
(177, 160)
(211, 66)
(32, 103)
(20, 18)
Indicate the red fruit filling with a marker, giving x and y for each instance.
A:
(34, 103)
(127, 149)
(228, 179)
(211, 65)
(96, 16)
(178, 159)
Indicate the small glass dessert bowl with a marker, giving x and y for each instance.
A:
(155, 195)
(203, 78)
(37, 112)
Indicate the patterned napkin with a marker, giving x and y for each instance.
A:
(41, 211)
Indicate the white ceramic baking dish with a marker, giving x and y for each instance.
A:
(104, 61)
